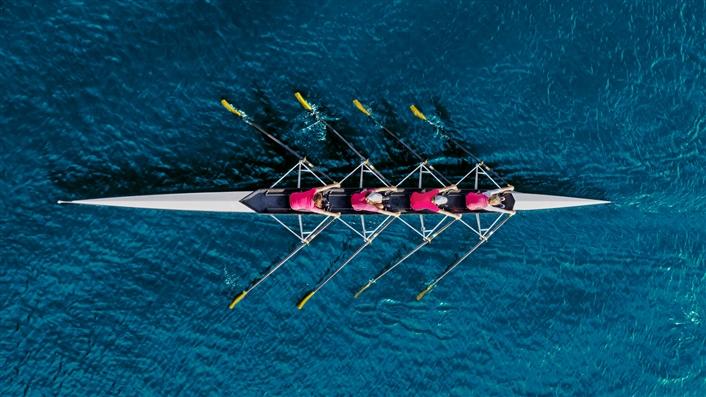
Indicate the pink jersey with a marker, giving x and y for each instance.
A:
(420, 201)
(476, 201)
(302, 201)
(359, 203)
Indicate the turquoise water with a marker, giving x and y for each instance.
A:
(584, 98)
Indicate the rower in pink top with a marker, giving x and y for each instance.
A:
(312, 200)
(370, 200)
(489, 200)
(431, 200)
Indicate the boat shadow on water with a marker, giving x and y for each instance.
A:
(223, 172)
(199, 175)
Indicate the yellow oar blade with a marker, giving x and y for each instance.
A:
(303, 101)
(230, 108)
(360, 291)
(417, 113)
(305, 299)
(421, 294)
(361, 107)
(237, 299)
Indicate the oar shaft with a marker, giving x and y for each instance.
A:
(273, 269)
(311, 237)
(247, 121)
(310, 294)
(277, 266)
(462, 258)
(307, 106)
(399, 140)
(367, 112)
(414, 251)
(346, 262)
(458, 262)
(274, 139)
(414, 153)
(360, 249)
(399, 262)
(417, 113)
(474, 157)
(419, 157)
(350, 145)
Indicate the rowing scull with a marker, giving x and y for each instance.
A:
(273, 201)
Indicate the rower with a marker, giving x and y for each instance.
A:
(431, 200)
(312, 200)
(490, 200)
(370, 200)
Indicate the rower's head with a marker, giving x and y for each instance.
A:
(440, 200)
(319, 200)
(496, 199)
(374, 198)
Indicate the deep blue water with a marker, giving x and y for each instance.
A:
(585, 98)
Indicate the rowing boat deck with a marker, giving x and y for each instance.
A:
(276, 201)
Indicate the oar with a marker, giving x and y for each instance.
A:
(387, 222)
(468, 253)
(312, 110)
(448, 270)
(249, 122)
(318, 117)
(367, 112)
(259, 280)
(426, 241)
(442, 130)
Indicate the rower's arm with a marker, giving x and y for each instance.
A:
(509, 188)
(451, 214)
(501, 210)
(327, 213)
(385, 189)
(322, 189)
(389, 213)
(448, 189)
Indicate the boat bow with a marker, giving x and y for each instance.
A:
(530, 201)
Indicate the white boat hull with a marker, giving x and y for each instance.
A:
(211, 201)
(231, 202)
(531, 202)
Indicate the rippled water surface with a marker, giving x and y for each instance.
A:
(585, 98)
